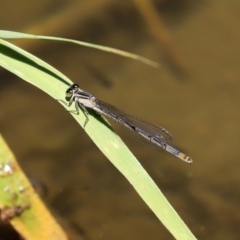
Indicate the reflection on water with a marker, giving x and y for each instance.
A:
(201, 113)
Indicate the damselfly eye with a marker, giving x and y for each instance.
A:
(75, 86)
(71, 89)
(69, 93)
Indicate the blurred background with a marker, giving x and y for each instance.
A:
(194, 94)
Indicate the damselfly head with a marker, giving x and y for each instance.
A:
(71, 90)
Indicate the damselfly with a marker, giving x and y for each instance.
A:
(152, 134)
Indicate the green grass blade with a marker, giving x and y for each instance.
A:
(17, 35)
(48, 79)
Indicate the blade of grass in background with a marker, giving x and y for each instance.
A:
(33, 220)
(48, 79)
(18, 35)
